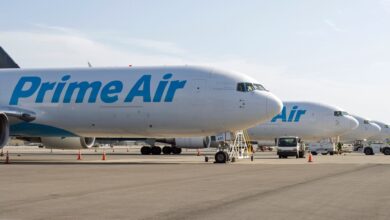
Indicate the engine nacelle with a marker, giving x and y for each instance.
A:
(68, 142)
(196, 142)
(4, 130)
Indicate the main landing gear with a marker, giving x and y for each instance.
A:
(155, 150)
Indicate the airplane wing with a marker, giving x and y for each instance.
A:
(6, 61)
(16, 115)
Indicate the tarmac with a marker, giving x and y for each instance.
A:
(45, 184)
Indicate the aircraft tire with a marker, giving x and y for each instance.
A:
(167, 150)
(156, 150)
(221, 157)
(146, 150)
(176, 150)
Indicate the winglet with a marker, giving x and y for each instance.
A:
(6, 61)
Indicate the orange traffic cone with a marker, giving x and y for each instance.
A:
(310, 158)
(104, 155)
(7, 161)
(79, 155)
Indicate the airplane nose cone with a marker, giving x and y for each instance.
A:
(375, 128)
(353, 123)
(274, 105)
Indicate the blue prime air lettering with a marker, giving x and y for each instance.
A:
(85, 91)
(294, 115)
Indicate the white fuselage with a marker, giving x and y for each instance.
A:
(133, 102)
(308, 120)
(365, 130)
(384, 135)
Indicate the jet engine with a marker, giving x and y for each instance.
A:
(4, 130)
(196, 142)
(68, 142)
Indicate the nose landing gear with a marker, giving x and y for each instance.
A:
(221, 157)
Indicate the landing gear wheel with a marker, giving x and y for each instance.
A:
(167, 150)
(221, 157)
(145, 150)
(176, 150)
(368, 151)
(156, 150)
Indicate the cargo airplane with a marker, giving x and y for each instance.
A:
(71, 107)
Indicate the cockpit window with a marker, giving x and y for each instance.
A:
(340, 113)
(241, 87)
(366, 122)
(260, 87)
(249, 87)
(386, 126)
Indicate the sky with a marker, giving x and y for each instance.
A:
(334, 52)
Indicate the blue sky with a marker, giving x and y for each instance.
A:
(336, 52)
